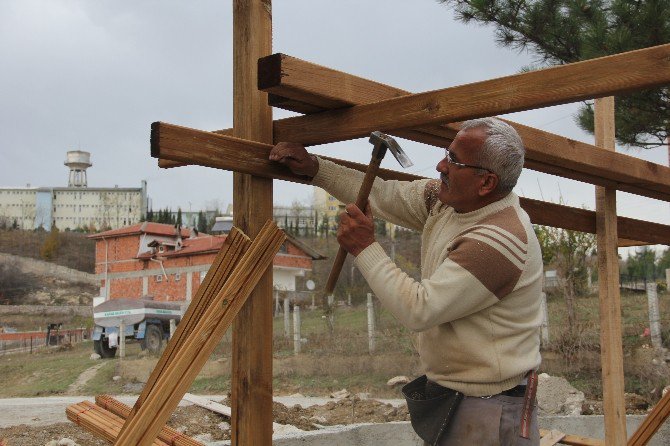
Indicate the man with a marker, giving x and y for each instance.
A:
(476, 311)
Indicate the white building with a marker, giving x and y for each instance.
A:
(74, 206)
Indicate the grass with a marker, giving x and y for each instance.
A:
(339, 360)
(47, 372)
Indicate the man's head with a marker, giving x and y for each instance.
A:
(482, 165)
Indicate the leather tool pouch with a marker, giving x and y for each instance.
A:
(430, 414)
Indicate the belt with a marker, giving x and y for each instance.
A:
(518, 391)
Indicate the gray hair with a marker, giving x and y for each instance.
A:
(502, 152)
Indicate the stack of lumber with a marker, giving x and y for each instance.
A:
(652, 422)
(178, 374)
(233, 275)
(166, 434)
(99, 421)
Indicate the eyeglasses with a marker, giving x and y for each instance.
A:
(450, 160)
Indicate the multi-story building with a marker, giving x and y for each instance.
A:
(326, 204)
(154, 259)
(74, 206)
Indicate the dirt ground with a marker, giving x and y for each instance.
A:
(206, 425)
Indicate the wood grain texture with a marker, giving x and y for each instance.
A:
(611, 349)
(100, 422)
(167, 434)
(575, 440)
(621, 73)
(653, 421)
(251, 386)
(235, 154)
(179, 375)
(236, 242)
(304, 87)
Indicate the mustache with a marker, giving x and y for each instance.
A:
(445, 179)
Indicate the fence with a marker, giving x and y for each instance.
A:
(29, 341)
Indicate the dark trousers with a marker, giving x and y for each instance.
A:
(490, 421)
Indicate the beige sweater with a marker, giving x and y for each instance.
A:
(476, 311)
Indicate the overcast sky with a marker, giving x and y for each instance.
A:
(93, 75)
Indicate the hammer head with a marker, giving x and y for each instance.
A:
(382, 140)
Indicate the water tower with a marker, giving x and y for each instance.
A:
(78, 161)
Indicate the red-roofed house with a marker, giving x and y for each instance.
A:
(153, 259)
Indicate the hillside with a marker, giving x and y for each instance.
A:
(74, 249)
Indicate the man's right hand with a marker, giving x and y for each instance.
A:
(295, 157)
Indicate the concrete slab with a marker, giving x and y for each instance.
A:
(401, 433)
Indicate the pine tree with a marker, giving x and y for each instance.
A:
(566, 31)
(179, 219)
(202, 222)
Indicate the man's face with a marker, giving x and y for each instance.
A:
(461, 185)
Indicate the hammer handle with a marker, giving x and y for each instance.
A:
(361, 200)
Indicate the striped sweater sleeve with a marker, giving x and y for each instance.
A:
(483, 265)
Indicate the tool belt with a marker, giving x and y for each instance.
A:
(430, 411)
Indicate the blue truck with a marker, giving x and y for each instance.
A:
(145, 320)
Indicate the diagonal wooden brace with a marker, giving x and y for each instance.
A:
(301, 86)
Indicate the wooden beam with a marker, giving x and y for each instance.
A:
(251, 385)
(652, 422)
(304, 87)
(184, 144)
(621, 73)
(611, 350)
(575, 440)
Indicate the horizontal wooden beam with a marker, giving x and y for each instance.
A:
(186, 145)
(611, 75)
(304, 87)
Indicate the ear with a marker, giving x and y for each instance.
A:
(488, 184)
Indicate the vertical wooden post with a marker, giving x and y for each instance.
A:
(251, 385)
(122, 340)
(296, 330)
(654, 316)
(610, 299)
(287, 316)
(371, 324)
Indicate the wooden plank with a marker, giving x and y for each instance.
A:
(251, 386)
(168, 164)
(236, 242)
(652, 422)
(167, 434)
(99, 421)
(621, 73)
(576, 440)
(307, 88)
(611, 350)
(550, 438)
(223, 152)
(179, 375)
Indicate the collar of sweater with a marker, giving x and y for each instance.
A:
(510, 199)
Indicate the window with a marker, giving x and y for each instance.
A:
(159, 278)
(177, 277)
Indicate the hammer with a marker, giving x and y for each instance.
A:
(381, 143)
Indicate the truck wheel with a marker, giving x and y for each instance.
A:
(105, 350)
(153, 338)
(97, 348)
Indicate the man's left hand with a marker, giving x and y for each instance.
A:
(357, 230)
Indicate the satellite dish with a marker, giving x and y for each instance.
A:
(310, 285)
